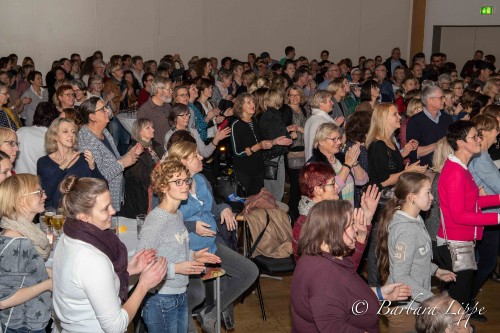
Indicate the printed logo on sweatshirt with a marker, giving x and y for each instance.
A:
(182, 237)
(400, 251)
(424, 249)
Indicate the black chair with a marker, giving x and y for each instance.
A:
(266, 265)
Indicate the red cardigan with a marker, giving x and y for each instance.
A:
(458, 197)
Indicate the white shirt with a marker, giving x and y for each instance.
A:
(85, 292)
(317, 118)
(31, 148)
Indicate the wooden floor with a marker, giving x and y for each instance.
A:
(277, 301)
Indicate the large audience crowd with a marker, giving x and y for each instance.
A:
(392, 162)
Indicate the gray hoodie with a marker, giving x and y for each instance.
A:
(410, 255)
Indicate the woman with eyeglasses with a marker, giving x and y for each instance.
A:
(349, 173)
(167, 309)
(8, 117)
(91, 265)
(5, 166)
(25, 283)
(179, 120)
(63, 159)
(9, 143)
(204, 219)
(94, 136)
(65, 97)
(80, 91)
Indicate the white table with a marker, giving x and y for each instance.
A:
(127, 120)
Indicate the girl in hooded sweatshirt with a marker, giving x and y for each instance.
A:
(404, 248)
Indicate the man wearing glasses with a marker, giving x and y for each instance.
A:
(428, 126)
(157, 108)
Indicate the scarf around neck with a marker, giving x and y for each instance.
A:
(105, 241)
(26, 228)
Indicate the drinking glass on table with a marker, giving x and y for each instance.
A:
(140, 222)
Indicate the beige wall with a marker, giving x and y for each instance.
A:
(51, 29)
(461, 41)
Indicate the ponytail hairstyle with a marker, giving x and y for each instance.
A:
(408, 183)
(80, 194)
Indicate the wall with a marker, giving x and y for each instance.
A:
(459, 13)
(51, 29)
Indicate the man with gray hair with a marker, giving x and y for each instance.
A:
(331, 74)
(99, 67)
(442, 314)
(157, 108)
(428, 126)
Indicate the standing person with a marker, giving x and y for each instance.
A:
(138, 176)
(32, 138)
(331, 245)
(164, 231)
(36, 93)
(429, 126)
(404, 248)
(94, 136)
(247, 143)
(385, 165)
(25, 283)
(461, 207)
(157, 107)
(386, 92)
(295, 114)
(91, 268)
(486, 176)
(273, 128)
(8, 117)
(63, 159)
(321, 106)
(9, 143)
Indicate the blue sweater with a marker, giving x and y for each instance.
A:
(426, 132)
(200, 209)
(51, 176)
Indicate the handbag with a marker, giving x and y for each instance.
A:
(296, 159)
(463, 256)
(271, 169)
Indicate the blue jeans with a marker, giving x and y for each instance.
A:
(166, 313)
(120, 135)
(21, 330)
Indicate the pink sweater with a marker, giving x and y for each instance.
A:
(458, 197)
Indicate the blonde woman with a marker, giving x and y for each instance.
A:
(414, 106)
(492, 89)
(25, 283)
(385, 164)
(63, 159)
(273, 128)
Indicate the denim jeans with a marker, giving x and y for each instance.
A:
(120, 135)
(166, 313)
(21, 330)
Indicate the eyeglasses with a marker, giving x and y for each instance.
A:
(332, 184)
(184, 115)
(12, 143)
(180, 182)
(165, 88)
(183, 95)
(475, 137)
(333, 139)
(40, 193)
(104, 109)
(69, 94)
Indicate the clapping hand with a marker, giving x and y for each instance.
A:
(369, 201)
(89, 157)
(140, 261)
(445, 275)
(206, 257)
(360, 224)
(395, 292)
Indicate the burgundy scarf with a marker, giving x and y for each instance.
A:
(105, 241)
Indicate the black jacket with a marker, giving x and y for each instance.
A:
(387, 65)
(137, 181)
(272, 126)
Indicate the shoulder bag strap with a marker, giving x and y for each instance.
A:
(258, 239)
